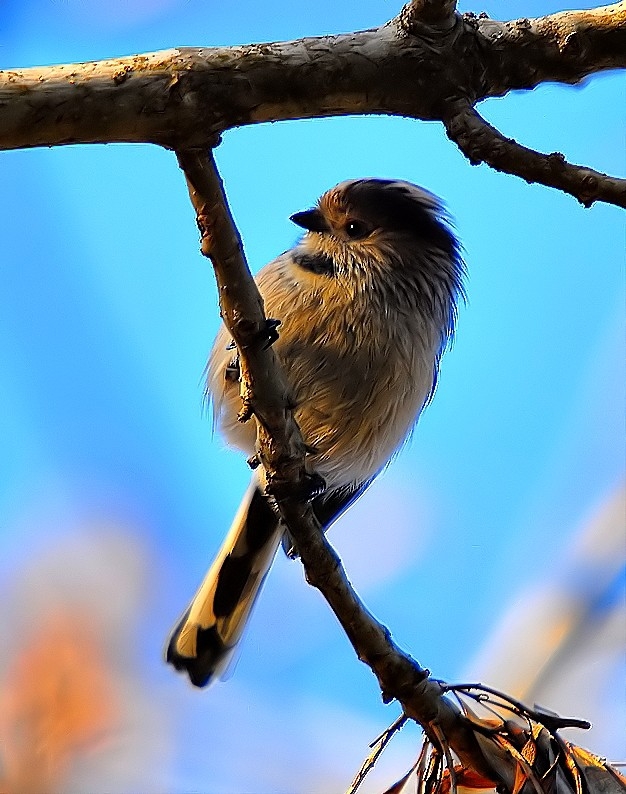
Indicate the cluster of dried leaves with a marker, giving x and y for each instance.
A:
(521, 746)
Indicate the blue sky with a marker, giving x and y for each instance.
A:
(107, 312)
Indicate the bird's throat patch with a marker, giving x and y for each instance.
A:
(317, 263)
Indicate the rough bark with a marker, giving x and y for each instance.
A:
(420, 64)
(481, 142)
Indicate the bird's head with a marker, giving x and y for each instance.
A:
(377, 218)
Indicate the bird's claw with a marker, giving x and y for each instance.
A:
(232, 371)
(267, 336)
(309, 488)
(270, 334)
(314, 485)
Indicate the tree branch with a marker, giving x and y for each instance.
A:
(182, 98)
(264, 389)
(480, 142)
(564, 47)
(418, 14)
(492, 751)
(282, 453)
(421, 64)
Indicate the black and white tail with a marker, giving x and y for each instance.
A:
(203, 641)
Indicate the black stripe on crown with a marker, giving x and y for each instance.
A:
(405, 208)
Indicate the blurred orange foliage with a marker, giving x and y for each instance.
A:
(58, 702)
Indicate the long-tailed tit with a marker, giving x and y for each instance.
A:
(367, 304)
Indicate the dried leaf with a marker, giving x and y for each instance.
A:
(432, 779)
(570, 765)
(523, 770)
(520, 779)
(421, 765)
(529, 752)
(537, 730)
(562, 782)
(486, 724)
(378, 745)
(586, 759)
(497, 758)
(466, 779)
(549, 757)
(443, 743)
(601, 778)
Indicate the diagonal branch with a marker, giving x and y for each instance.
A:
(490, 750)
(480, 142)
(282, 453)
(264, 390)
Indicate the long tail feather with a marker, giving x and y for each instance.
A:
(203, 641)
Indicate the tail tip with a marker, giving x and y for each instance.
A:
(210, 657)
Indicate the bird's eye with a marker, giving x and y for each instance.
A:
(356, 230)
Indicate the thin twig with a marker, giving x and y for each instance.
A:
(445, 746)
(549, 719)
(378, 745)
(481, 142)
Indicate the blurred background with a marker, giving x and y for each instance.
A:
(493, 547)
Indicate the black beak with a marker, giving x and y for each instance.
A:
(311, 220)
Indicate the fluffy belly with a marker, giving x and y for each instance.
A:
(354, 417)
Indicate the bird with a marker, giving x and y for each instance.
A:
(367, 302)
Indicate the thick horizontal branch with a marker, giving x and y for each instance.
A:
(420, 13)
(568, 46)
(280, 448)
(481, 142)
(182, 98)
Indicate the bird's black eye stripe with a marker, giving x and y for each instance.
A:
(316, 263)
(357, 230)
